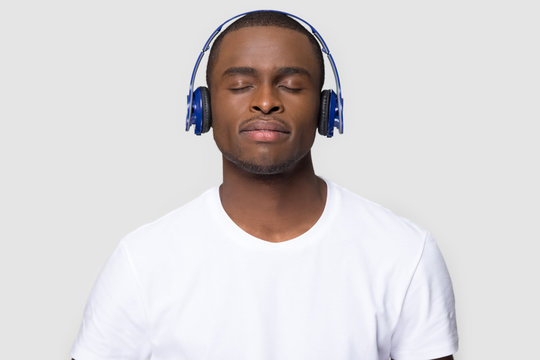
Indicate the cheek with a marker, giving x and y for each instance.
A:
(226, 109)
(225, 115)
(220, 113)
(307, 112)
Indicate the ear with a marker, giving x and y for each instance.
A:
(206, 110)
(324, 111)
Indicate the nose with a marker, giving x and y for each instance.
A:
(266, 100)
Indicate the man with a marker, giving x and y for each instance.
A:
(276, 263)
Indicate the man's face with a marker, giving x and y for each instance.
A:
(265, 98)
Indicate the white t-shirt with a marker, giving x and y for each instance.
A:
(362, 283)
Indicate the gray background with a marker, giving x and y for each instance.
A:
(441, 108)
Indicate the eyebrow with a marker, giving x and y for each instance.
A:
(291, 70)
(241, 70)
(284, 71)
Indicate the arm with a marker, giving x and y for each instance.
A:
(114, 319)
(427, 319)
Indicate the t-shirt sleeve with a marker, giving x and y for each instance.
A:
(114, 322)
(426, 328)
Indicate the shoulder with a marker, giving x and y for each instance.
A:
(180, 224)
(375, 227)
(372, 215)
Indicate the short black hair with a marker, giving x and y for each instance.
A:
(264, 18)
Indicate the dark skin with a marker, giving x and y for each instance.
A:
(265, 101)
(265, 91)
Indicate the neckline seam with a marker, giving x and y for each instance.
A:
(238, 235)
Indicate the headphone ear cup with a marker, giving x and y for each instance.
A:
(324, 112)
(206, 122)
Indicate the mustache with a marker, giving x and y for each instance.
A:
(275, 120)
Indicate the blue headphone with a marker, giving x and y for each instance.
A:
(198, 101)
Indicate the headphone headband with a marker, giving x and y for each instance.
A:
(338, 122)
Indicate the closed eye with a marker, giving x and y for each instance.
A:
(240, 88)
(290, 89)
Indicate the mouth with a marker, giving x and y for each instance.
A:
(265, 130)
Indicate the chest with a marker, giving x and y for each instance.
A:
(244, 306)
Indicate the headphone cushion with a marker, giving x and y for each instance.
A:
(324, 112)
(206, 122)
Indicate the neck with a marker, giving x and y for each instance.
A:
(273, 207)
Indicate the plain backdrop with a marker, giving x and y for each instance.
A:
(441, 126)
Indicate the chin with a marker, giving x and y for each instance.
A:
(266, 169)
(262, 168)
(267, 164)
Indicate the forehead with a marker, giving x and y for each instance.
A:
(265, 47)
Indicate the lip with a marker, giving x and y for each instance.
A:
(264, 125)
(265, 130)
